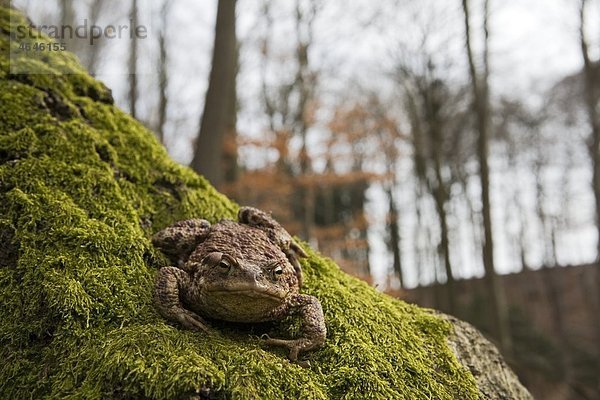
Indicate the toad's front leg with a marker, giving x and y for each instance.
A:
(169, 285)
(312, 331)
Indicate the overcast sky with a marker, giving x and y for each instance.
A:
(533, 43)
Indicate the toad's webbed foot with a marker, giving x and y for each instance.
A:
(312, 331)
(295, 347)
(277, 234)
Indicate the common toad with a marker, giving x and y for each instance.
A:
(246, 271)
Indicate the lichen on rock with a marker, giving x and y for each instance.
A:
(82, 188)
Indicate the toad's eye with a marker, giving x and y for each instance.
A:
(224, 265)
(277, 271)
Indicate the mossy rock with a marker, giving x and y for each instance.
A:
(82, 188)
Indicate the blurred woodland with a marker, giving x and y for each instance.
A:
(425, 166)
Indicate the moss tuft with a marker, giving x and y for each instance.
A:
(82, 188)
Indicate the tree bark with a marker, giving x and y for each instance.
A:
(230, 151)
(480, 90)
(440, 196)
(163, 80)
(305, 85)
(439, 188)
(91, 62)
(394, 232)
(591, 74)
(67, 14)
(427, 123)
(133, 61)
(208, 152)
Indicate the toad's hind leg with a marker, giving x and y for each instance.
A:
(167, 301)
(179, 240)
(312, 331)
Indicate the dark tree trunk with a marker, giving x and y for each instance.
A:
(133, 62)
(91, 62)
(305, 83)
(208, 153)
(394, 232)
(481, 107)
(162, 76)
(591, 74)
(67, 14)
(230, 151)
(441, 197)
(428, 132)
(438, 186)
(547, 236)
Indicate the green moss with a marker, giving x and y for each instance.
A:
(82, 188)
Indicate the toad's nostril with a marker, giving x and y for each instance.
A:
(256, 278)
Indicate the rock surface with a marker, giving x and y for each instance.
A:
(495, 379)
(82, 189)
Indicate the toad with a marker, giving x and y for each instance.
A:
(246, 271)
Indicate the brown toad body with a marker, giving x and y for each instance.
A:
(246, 271)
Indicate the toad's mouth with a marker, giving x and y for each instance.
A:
(250, 292)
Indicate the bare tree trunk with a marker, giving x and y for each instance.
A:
(162, 88)
(394, 232)
(427, 127)
(133, 61)
(91, 62)
(163, 81)
(230, 150)
(67, 17)
(67, 14)
(591, 75)
(420, 167)
(522, 236)
(439, 190)
(419, 227)
(270, 104)
(88, 55)
(441, 197)
(481, 107)
(440, 292)
(592, 97)
(305, 84)
(546, 221)
(208, 152)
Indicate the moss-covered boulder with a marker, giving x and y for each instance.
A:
(82, 188)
